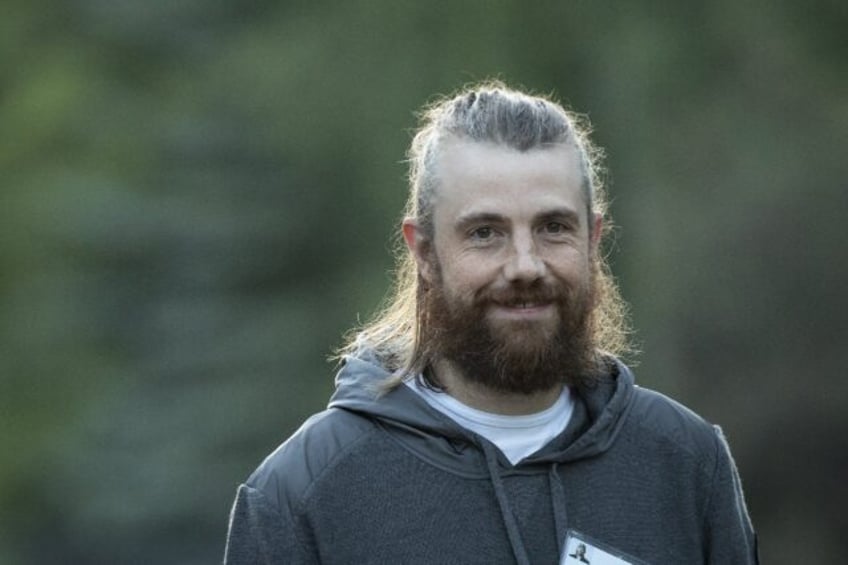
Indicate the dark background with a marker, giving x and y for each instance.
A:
(197, 199)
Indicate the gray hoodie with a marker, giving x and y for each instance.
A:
(386, 479)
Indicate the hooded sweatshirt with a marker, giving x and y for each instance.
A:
(382, 477)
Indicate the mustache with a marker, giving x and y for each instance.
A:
(517, 295)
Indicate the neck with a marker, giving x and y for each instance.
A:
(481, 397)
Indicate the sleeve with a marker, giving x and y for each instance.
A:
(731, 537)
(260, 534)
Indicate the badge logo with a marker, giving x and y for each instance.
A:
(580, 549)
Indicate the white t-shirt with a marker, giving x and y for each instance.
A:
(516, 436)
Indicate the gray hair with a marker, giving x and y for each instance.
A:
(493, 113)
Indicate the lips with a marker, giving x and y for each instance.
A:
(523, 299)
(518, 303)
(522, 311)
(523, 305)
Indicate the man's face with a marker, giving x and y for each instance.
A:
(510, 263)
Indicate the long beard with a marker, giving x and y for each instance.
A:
(516, 356)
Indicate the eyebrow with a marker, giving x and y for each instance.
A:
(566, 214)
(468, 220)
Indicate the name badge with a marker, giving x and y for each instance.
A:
(580, 549)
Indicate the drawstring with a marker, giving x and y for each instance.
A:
(506, 512)
(558, 504)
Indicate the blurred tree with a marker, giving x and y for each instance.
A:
(196, 200)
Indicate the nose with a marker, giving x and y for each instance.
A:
(524, 263)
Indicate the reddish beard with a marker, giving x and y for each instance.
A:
(523, 356)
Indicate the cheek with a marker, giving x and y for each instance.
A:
(467, 274)
(574, 274)
(569, 262)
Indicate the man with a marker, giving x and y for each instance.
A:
(484, 416)
(580, 553)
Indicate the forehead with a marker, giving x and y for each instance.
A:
(485, 177)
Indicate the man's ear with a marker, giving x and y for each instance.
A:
(597, 231)
(419, 246)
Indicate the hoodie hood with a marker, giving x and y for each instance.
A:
(600, 411)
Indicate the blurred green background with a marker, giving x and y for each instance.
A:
(197, 199)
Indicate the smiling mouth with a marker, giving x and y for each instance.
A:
(526, 304)
(523, 308)
(521, 304)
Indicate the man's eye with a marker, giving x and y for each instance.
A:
(483, 233)
(555, 227)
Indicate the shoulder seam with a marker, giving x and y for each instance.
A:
(259, 495)
(693, 422)
(332, 462)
